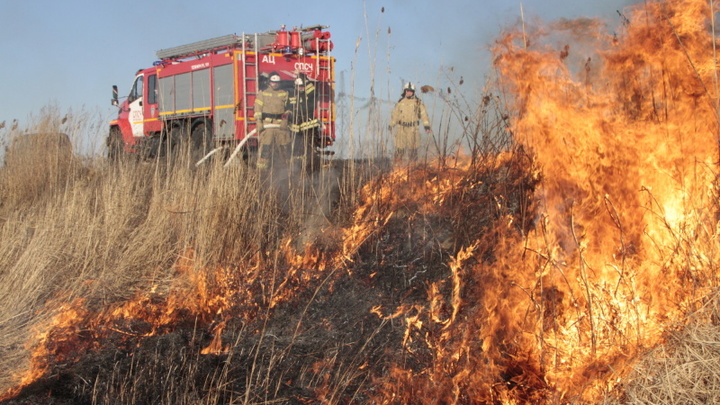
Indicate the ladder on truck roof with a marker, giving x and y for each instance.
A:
(177, 52)
(225, 42)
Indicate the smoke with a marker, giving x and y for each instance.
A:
(306, 189)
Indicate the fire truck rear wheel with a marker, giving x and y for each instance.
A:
(201, 139)
(175, 139)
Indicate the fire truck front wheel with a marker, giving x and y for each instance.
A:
(115, 147)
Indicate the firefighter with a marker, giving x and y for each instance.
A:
(304, 125)
(404, 122)
(271, 117)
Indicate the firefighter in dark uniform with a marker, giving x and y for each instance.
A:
(271, 114)
(304, 126)
(404, 123)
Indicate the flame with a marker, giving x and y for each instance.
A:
(216, 346)
(43, 355)
(627, 149)
(205, 297)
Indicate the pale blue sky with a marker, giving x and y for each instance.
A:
(69, 53)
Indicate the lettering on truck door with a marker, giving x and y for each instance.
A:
(135, 100)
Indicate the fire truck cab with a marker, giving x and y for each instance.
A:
(202, 94)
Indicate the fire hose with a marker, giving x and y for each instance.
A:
(237, 148)
(241, 143)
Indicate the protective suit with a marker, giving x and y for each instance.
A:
(271, 112)
(405, 120)
(304, 126)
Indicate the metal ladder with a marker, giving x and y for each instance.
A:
(249, 80)
(326, 98)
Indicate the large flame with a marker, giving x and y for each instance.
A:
(624, 245)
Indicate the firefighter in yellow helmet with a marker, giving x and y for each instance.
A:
(271, 117)
(408, 113)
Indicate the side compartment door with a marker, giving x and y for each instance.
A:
(135, 103)
(224, 113)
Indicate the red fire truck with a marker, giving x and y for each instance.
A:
(202, 94)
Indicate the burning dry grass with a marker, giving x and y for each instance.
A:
(113, 260)
(140, 283)
(132, 272)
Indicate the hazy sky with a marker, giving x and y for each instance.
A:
(69, 53)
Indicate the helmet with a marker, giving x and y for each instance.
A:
(274, 77)
(299, 82)
(409, 86)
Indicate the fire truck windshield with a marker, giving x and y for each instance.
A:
(137, 90)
